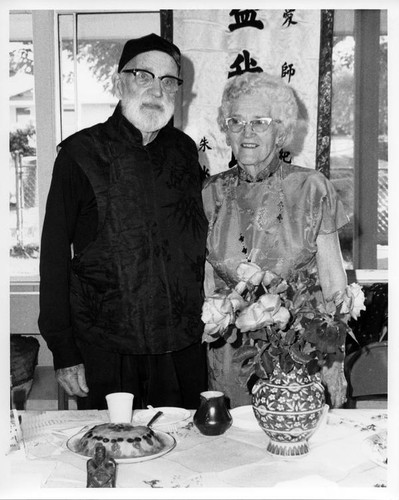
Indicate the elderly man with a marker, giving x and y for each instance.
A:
(124, 313)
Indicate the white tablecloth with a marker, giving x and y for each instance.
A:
(238, 458)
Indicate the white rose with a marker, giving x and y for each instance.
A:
(351, 300)
(237, 301)
(268, 278)
(217, 313)
(270, 302)
(248, 272)
(339, 300)
(254, 317)
(281, 317)
(211, 329)
(355, 292)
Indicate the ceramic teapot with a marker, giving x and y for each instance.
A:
(212, 416)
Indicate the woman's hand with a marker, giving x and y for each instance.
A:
(335, 381)
(73, 380)
(329, 264)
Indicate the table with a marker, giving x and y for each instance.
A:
(337, 457)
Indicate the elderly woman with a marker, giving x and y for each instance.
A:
(279, 216)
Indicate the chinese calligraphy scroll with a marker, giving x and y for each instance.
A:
(219, 44)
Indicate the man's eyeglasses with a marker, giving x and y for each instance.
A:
(145, 78)
(259, 125)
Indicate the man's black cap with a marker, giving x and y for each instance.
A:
(144, 44)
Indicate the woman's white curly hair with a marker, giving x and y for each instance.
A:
(278, 95)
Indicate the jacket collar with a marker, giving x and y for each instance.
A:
(263, 174)
(119, 127)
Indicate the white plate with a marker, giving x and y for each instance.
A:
(171, 416)
(244, 418)
(375, 447)
(168, 441)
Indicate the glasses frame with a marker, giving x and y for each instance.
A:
(134, 71)
(244, 123)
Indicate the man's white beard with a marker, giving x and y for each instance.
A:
(148, 119)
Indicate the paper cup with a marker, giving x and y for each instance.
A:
(120, 407)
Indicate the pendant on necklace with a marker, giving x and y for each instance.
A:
(280, 211)
(280, 204)
(244, 249)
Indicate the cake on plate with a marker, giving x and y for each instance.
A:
(121, 441)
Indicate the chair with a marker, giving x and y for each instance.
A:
(46, 393)
(63, 400)
(366, 371)
(24, 352)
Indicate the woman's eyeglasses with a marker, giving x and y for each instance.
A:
(145, 78)
(259, 125)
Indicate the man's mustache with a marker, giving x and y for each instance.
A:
(153, 105)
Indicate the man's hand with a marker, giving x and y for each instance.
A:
(73, 380)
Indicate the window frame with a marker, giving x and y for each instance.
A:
(45, 27)
(366, 27)
(366, 114)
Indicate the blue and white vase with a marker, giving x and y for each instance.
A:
(288, 407)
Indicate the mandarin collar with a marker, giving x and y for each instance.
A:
(124, 128)
(127, 131)
(268, 171)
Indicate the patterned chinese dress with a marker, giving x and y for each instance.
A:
(272, 220)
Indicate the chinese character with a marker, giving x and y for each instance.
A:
(287, 69)
(245, 18)
(204, 144)
(288, 13)
(284, 155)
(204, 172)
(249, 65)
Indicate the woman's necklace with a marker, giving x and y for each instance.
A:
(262, 219)
(280, 203)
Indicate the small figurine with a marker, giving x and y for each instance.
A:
(101, 470)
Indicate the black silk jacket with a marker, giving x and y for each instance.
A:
(133, 217)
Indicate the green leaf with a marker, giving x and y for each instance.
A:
(286, 363)
(244, 353)
(245, 374)
(267, 362)
(281, 287)
(231, 335)
(290, 337)
(260, 371)
(275, 350)
(247, 370)
(258, 334)
(330, 307)
(313, 366)
(298, 301)
(351, 334)
(298, 356)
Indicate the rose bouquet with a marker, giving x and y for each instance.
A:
(280, 321)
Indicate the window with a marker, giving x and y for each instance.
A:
(90, 46)
(23, 116)
(77, 94)
(342, 161)
(23, 198)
